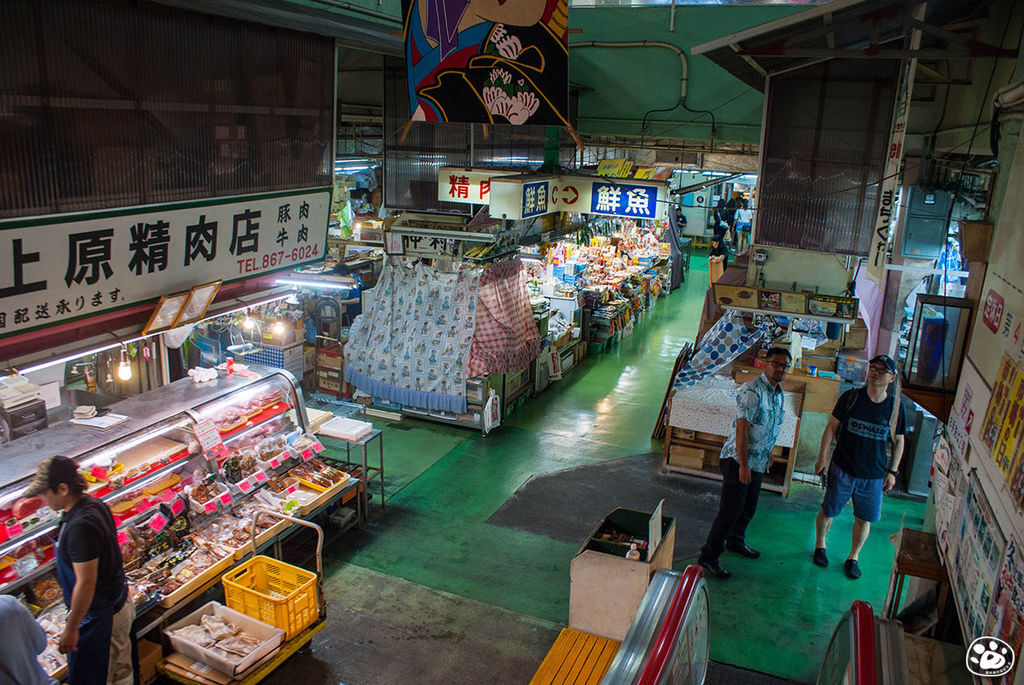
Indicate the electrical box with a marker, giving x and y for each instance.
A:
(926, 225)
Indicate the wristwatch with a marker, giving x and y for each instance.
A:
(892, 473)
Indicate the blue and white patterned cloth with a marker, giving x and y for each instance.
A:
(726, 340)
(762, 405)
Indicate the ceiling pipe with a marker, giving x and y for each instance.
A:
(683, 81)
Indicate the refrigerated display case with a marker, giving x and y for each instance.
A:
(182, 475)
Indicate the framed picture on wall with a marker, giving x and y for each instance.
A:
(199, 300)
(166, 313)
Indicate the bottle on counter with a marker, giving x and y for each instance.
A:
(633, 554)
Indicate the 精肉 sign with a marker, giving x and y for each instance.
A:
(60, 269)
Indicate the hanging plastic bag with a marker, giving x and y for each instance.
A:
(492, 412)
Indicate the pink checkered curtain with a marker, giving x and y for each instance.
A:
(506, 338)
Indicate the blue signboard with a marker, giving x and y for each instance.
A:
(622, 199)
(535, 199)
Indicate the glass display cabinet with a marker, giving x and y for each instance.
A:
(936, 342)
(182, 508)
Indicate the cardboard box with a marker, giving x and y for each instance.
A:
(150, 654)
(824, 363)
(735, 295)
(188, 667)
(688, 457)
(857, 337)
(308, 358)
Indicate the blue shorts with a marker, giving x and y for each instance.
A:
(865, 492)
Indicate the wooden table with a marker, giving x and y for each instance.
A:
(917, 556)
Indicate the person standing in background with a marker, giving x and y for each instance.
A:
(760, 409)
(97, 636)
(23, 640)
(744, 220)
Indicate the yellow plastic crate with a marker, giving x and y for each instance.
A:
(274, 592)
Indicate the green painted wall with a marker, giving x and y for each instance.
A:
(628, 82)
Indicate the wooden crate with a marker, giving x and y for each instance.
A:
(683, 455)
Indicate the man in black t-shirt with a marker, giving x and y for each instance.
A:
(862, 422)
(90, 571)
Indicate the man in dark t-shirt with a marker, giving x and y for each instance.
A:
(90, 571)
(862, 423)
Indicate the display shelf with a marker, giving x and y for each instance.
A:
(256, 420)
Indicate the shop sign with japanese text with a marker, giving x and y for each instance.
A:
(466, 186)
(65, 268)
(524, 197)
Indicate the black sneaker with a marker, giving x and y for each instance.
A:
(852, 569)
(820, 558)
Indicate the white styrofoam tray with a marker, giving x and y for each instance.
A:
(271, 637)
(346, 429)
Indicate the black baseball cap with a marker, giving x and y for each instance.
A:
(885, 360)
(50, 473)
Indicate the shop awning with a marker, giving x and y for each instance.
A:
(849, 29)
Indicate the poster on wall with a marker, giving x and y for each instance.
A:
(69, 267)
(999, 326)
(1006, 620)
(1003, 426)
(961, 418)
(979, 557)
(474, 61)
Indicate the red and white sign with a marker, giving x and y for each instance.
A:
(466, 186)
(245, 485)
(177, 506)
(307, 454)
(210, 507)
(260, 477)
(992, 312)
(274, 462)
(225, 498)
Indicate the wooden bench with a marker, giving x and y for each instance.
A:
(671, 624)
(576, 657)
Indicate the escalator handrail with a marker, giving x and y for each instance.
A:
(665, 641)
(864, 643)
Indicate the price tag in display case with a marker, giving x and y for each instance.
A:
(14, 528)
(225, 498)
(209, 439)
(166, 496)
(260, 477)
(307, 454)
(318, 447)
(274, 462)
(158, 522)
(245, 485)
(290, 489)
(210, 507)
(177, 506)
(122, 538)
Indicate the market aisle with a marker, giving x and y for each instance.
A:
(444, 483)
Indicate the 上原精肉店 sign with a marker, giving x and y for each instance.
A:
(61, 269)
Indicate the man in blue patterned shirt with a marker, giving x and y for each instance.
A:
(744, 460)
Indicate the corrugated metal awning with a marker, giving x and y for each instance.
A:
(848, 29)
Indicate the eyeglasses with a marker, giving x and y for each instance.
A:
(879, 369)
(780, 365)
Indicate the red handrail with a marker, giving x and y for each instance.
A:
(864, 643)
(665, 642)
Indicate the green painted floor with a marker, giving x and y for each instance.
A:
(443, 483)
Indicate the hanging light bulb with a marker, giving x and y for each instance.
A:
(248, 323)
(278, 328)
(124, 369)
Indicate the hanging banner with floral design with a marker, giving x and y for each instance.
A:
(480, 61)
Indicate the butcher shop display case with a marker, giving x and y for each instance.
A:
(184, 475)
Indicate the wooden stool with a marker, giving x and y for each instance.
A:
(916, 556)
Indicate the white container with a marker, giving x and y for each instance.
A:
(270, 636)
